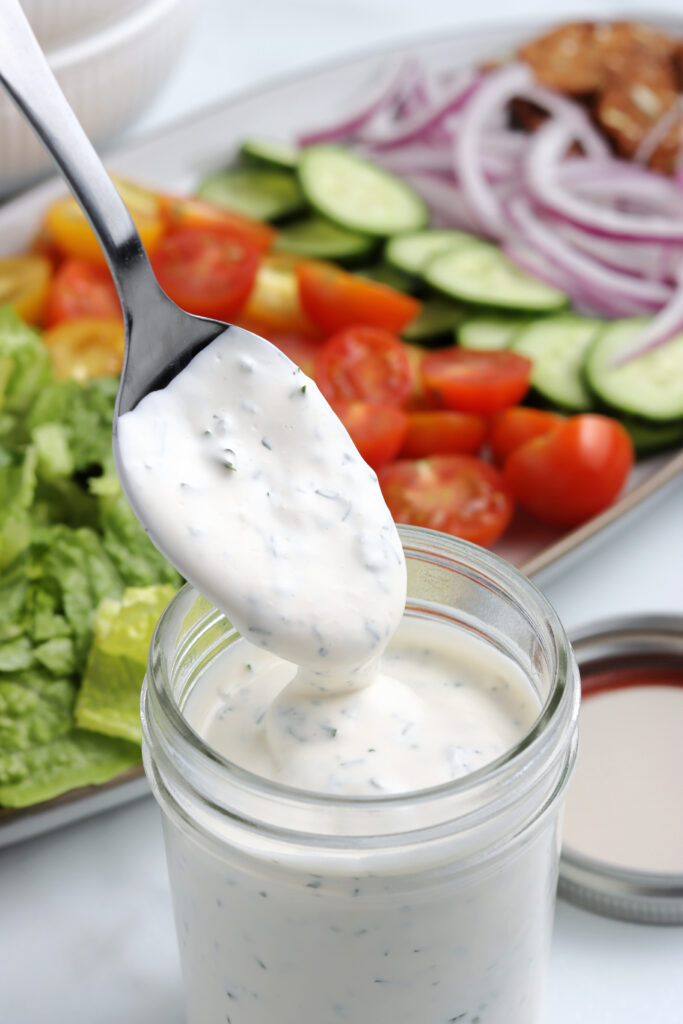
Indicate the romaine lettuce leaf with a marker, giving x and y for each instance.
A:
(77, 758)
(24, 363)
(109, 697)
(68, 543)
(125, 541)
(84, 412)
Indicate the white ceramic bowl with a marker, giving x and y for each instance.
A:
(56, 22)
(108, 75)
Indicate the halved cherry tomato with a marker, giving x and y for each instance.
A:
(456, 494)
(206, 272)
(66, 225)
(274, 298)
(187, 212)
(365, 364)
(514, 427)
(572, 473)
(24, 283)
(443, 432)
(81, 349)
(480, 382)
(81, 289)
(335, 299)
(376, 430)
(419, 399)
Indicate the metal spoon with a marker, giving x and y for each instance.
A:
(160, 338)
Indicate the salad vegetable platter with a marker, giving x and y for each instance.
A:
(473, 244)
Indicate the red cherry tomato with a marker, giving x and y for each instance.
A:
(456, 494)
(186, 212)
(81, 290)
(365, 364)
(479, 382)
(335, 299)
(572, 473)
(513, 427)
(376, 430)
(442, 432)
(205, 271)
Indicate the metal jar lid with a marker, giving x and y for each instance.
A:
(597, 872)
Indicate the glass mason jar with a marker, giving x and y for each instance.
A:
(426, 908)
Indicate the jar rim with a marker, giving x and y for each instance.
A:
(560, 705)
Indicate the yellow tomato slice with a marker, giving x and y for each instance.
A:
(274, 299)
(24, 283)
(82, 349)
(67, 227)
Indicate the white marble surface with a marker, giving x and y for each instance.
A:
(86, 933)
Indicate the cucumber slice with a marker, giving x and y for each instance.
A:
(260, 192)
(384, 274)
(482, 275)
(318, 238)
(434, 323)
(649, 438)
(650, 386)
(557, 346)
(357, 194)
(487, 333)
(411, 251)
(271, 153)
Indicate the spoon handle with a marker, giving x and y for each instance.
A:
(26, 75)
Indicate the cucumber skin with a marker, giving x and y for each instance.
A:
(649, 438)
(557, 301)
(547, 393)
(306, 160)
(365, 245)
(210, 190)
(628, 408)
(258, 153)
(513, 326)
(444, 238)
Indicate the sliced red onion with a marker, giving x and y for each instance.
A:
(590, 275)
(415, 159)
(662, 328)
(659, 131)
(496, 89)
(527, 259)
(572, 114)
(616, 183)
(546, 149)
(424, 122)
(446, 202)
(641, 259)
(395, 82)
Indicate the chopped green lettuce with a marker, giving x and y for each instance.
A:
(126, 542)
(69, 545)
(76, 759)
(109, 697)
(24, 363)
(84, 413)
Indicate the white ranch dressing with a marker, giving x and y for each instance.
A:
(254, 490)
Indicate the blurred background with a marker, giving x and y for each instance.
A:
(130, 66)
